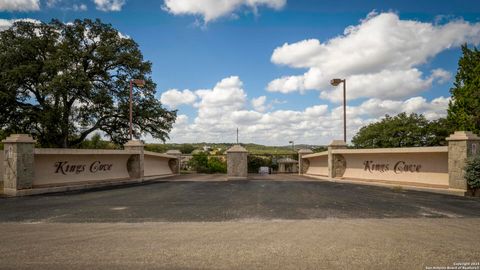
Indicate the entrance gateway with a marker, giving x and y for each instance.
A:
(26, 170)
(436, 167)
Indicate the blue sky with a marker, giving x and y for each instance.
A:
(235, 52)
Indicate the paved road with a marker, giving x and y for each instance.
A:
(253, 224)
(223, 201)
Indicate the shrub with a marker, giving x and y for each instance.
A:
(472, 172)
(202, 163)
(199, 162)
(96, 142)
(159, 148)
(215, 165)
(186, 148)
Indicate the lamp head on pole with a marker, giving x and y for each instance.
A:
(139, 83)
(336, 82)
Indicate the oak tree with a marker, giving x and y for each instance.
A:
(402, 130)
(62, 81)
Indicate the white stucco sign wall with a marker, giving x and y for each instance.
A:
(73, 168)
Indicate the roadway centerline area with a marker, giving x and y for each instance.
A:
(209, 201)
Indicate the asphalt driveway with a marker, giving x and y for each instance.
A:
(204, 222)
(190, 201)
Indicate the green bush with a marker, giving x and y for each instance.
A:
(202, 163)
(472, 172)
(159, 148)
(96, 142)
(186, 148)
(215, 165)
(199, 162)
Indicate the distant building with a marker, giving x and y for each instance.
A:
(197, 151)
(184, 160)
(287, 165)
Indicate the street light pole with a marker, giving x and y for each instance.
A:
(131, 114)
(345, 111)
(336, 82)
(139, 83)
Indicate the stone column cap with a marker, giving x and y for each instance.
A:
(305, 151)
(174, 152)
(338, 143)
(133, 143)
(463, 136)
(19, 138)
(237, 149)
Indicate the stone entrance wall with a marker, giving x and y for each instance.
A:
(36, 171)
(66, 166)
(415, 167)
(441, 167)
(318, 164)
(157, 164)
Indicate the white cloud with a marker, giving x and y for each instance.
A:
(52, 3)
(174, 97)
(227, 95)
(213, 9)
(376, 108)
(393, 84)
(79, 7)
(5, 24)
(259, 104)
(19, 5)
(109, 5)
(224, 108)
(379, 58)
(67, 5)
(316, 111)
(442, 75)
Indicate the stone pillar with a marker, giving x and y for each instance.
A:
(303, 164)
(281, 168)
(175, 165)
(461, 146)
(237, 167)
(19, 163)
(333, 164)
(135, 163)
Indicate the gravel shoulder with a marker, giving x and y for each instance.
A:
(245, 244)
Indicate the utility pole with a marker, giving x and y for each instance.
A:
(237, 135)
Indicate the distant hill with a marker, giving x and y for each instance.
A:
(308, 146)
(220, 148)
